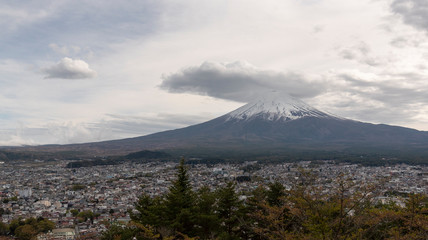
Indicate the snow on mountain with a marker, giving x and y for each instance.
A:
(276, 106)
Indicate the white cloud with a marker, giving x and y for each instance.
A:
(68, 68)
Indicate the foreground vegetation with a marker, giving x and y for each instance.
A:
(26, 229)
(306, 211)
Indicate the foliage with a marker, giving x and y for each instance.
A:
(78, 187)
(180, 201)
(206, 218)
(306, 211)
(230, 211)
(26, 229)
(276, 193)
(85, 216)
(74, 212)
(4, 229)
(25, 232)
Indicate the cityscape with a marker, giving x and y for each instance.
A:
(52, 191)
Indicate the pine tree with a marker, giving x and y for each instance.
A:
(230, 211)
(180, 202)
(275, 194)
(148, 211)
(207, 220)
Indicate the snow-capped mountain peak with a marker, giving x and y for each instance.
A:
(276, 106)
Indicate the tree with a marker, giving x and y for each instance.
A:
(206, 219)
(25, 232)
(118, 231)
(230, 211)
(275, 194)
(14, 224)
(4, 229)
(85, 215)
(180, 201)
(149, 211)
(44, 225)
(74, 212)
(78, 187)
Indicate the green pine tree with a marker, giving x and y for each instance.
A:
(230, 211)
(275, 194)
(180, 203)
(206, 218)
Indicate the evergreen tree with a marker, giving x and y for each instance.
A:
(149, 211)
(180, 202)
(253, 204)
(207, 220)
(230, 211)
(275, 194)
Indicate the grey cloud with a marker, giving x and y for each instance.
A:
(138, 125)
(318, 28)
(347, 54)
(413, 12)
(389, 92)
(361, 53)
(113, 126)
(383, 99)
(68, 68)
(238, 81)
(401, 42)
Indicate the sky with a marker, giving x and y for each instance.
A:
(75, 71)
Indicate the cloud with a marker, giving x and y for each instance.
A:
(401, 42)
(361, 53)
(68, 68)
(112, 126)
(388, 91)
(393, 98)
(413, 12)
(238, 81)
(64, 50)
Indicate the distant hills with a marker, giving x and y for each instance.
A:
(272, 126)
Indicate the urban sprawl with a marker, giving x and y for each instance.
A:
(53, 191)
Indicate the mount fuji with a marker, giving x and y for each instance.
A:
(271, 125)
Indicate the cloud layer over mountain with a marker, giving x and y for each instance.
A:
(238, 81)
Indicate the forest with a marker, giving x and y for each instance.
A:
(305, 211)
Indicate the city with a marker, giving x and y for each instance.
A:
(55, 192)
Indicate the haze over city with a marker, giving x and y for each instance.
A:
(78, 71)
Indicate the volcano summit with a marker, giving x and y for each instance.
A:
(275, 107)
